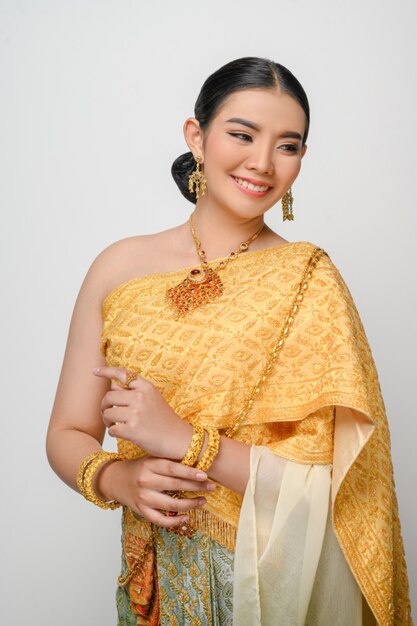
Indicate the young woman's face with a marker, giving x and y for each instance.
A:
(252, 150)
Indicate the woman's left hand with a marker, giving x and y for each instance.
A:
(140, 414)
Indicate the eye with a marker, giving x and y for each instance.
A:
(289, 147)
(242, 136)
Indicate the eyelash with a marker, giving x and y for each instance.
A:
(243, 136)
(290, 147)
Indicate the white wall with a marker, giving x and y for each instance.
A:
(93, 97)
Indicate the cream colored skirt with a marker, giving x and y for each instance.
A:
(289, 568)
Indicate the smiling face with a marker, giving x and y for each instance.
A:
(251, 150)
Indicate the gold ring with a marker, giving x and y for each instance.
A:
(130, 377)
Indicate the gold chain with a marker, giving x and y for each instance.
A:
(124, 579)
(279, 344)
(233, 255)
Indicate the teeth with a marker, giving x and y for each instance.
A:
(247, 185)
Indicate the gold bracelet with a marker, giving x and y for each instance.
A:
(85, 475)
(88, 476)
(211, 451)
(83, 466)
(195, 447)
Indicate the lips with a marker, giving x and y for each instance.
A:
(251, 186)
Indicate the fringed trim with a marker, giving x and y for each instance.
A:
(217, 529)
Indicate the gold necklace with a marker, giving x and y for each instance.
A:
(202, 284)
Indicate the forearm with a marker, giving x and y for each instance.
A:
(66, 449)
(231, 467)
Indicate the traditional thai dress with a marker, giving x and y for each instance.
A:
(315, 539)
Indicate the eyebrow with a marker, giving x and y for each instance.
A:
(240, 120)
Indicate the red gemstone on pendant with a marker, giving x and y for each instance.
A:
(197, 275)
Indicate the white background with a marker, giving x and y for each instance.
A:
(93, 98)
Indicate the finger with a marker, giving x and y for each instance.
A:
(134, 381)
(118, 431)
(179, 505)
(116, 414)
(120, 397)
(121, 376)
(177, 484)
(162, 520)
(111, 373)
(174, 469)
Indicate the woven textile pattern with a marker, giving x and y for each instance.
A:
(206, 363)
(195, 579)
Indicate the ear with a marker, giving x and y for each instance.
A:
(193, 136)
(303, 150)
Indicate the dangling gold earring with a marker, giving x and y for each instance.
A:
(287, 202)
(198, 180)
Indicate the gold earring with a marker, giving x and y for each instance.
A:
(198, 180)
(287, 202)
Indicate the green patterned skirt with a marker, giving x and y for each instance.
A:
(195, 583)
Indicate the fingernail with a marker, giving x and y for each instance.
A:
(184, 519)
(96, 370)
(211, 487)
(201, 475)
(202, 501)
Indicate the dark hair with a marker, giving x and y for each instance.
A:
(244, 73)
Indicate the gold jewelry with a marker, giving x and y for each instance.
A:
(211, 451)
(83, 466)
(131, 375)
(192, 455)
(195, 447)
(287, 202)
(197, 179)
(185, 530)
(85, 475)
(202, 284)
(279, 344)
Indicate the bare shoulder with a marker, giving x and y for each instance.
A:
(133, 257)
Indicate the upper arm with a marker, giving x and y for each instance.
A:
(79, 393)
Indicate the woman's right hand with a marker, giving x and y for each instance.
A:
(140, 484)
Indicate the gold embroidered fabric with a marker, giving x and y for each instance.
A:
(321, 404)
(144, 601)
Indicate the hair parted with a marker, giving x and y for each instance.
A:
(243, 73)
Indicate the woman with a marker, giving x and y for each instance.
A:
(254, 466)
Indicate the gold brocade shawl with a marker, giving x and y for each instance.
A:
(321, 403)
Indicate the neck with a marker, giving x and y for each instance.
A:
(221, 233)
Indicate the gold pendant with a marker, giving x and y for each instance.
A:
(198, 288)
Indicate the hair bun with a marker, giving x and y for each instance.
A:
(181, 169)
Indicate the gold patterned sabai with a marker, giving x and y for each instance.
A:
(321, 402)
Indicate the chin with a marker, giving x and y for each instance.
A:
(247, 212)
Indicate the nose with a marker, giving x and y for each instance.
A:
(261, 158)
